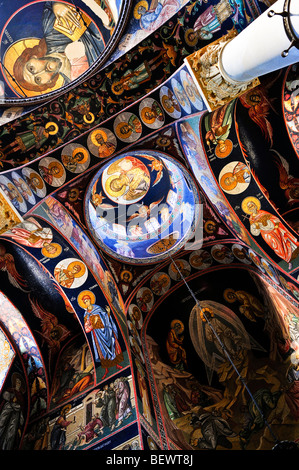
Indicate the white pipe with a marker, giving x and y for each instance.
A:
(257, 50)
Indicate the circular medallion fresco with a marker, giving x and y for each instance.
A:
(48, 45)
(141, 206)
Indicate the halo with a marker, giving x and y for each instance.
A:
(77, 263)
(146, 291)
(119, 91)
(11, 186)
(175, 321)
(191, 96)
(164, 276)
(173, 267)
(40, 184)
(52, 255)
(120, 134)
(51, 123)
(25, 183)
(224, 153)
(206, 226)
(81, 150)
(250, 199)
(227, 186)
(112, 193)
(58, 165)
(137, 309)
(180, 95)
(73, 198)
(83, 294)
(205, 311)
(88, 121)
(151, 443)
(248, 95)
(95, 133)
(66, 408)
(230, 295)
(192, 42)
(264, 263)
(170, 109)
(11, 55)
(163, 144)
(15, 376)
(144, 118)
(142, 3)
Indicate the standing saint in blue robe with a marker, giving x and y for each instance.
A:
(104, 333)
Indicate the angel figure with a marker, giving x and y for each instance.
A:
(97, 200)
(156, 165)
(258, 110)
(144, 212)
(52, 332)
(288, 183)
(129, 179)
(7, 264)
(250, 306)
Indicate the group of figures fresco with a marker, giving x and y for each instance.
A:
(234, 177)
(117, 356)
(136, 202)
(228, 169)
(178, 98)
(206, 405)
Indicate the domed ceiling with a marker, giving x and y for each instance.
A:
(141, 206)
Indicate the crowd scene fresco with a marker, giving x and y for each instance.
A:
(149, 248)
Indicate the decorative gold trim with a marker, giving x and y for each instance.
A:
(214, 85)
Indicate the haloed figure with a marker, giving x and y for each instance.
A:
(57, 55)
(100, 324)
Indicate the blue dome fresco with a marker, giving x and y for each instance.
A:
(141, 206)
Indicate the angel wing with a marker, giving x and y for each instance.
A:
(285, 178)
(258, 113)
(7, 264)
(146, 210)
(53, 332)
(154, 204)
(283, 174)
(158, 177)
(133, 216)
(264, 124)
(156, 165)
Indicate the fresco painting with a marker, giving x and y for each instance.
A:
(62, 43)
(7, 356)
(9, 214)
(149, 250)
(137, 200)
(192, 397)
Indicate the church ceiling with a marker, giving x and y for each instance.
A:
(123, 203)
(85, 32)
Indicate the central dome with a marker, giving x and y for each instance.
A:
(141, 206)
